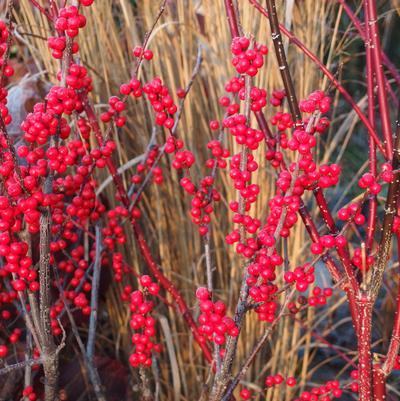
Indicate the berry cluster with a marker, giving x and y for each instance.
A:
(354, 384)
(326, 392)
(282, 121)
(162, 102)
(214, 324)
(143, 324)
(139, 52)
(242, 132)
(57, 44)
(29, 393)
(69, 21)
(358, 261)
(41, 124)
(303, 276)
(219, 153)
(277, 98)
(368, 181)
(7, 70)
(345, 213)
(148, 166)
(316, 101)
(247, 60)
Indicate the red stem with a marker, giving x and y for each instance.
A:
(356, 22)
(293, 39)
(42, 10)
(364, 347)
(342, 251)
(379, 384)
(394, 345)
(373, 204)
(329, 262)
(263, 125)
(370, 7)
(230, 13)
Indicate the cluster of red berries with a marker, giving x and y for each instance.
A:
(263, 268)
(358, 261)
(162, 102)
(139, 52)
(116, 106)
(203, 197)
(387, 174)
(327, 242)
(148, 166)
(282, 121)
(70, 21)
(326, 392)
(242, 132)
(278, 205)
(173, 144)
(368, 181)
(274, 157)
(219, 153)
(231, 108)
(78, 79)
(303, 276)
(302, 142)
(114, 233)
(319, 296)
(13, 339)
(119, 267)
(214, 324)
(258, 98)
(183, 159)
(246, 60)
(235, 85)
(8, 71)
(277, 97)
(274, 380)
(354, 384)
(29, 393)
(132, 88)
(143, 324)
(316, 101)
(41, 124)
(63, 100)
(57, 44)
(328, 175)
(345, 213)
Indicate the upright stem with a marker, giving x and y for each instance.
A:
(342, 251)
(232, 21)
(94, 298)
(390, 66)
(390, 211)
(49, 352)
(283, 65)
(364, 347)
(394, 344)
(373, 204)
(370, 8)
(293, 39)
(379, 383)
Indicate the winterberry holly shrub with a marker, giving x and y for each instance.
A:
(59, 235)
